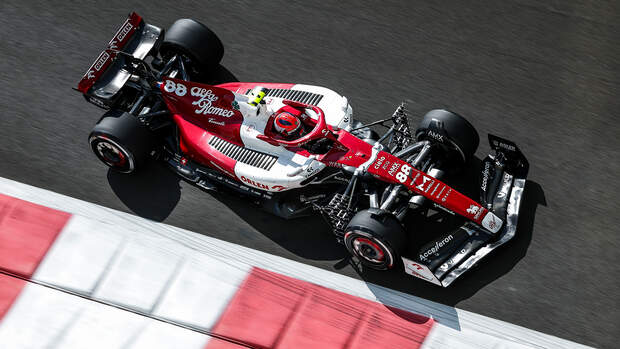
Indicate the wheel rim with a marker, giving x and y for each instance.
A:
(112, 154)
(369, 250)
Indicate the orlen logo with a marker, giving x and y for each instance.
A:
(123, 32)
(101, 60)
(253, 183)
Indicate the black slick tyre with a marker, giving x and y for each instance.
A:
(460, 133)
(194, 40)
(121, 142)
(376, 238)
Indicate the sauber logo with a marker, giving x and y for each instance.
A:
(473, 209)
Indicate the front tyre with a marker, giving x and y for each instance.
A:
(447, 127)
(376, 238)
(121, 142)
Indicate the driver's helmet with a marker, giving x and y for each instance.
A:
(287, 124)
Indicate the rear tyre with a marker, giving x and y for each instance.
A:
(376, 238)
(121, 142)
(193, 40)
(461, 134)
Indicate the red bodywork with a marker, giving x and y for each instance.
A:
(202, 111)
(118, 42)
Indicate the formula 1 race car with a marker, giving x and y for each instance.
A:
(225, 137)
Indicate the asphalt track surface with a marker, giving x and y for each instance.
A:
(545, 74)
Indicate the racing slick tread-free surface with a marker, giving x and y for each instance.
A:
(545, 74)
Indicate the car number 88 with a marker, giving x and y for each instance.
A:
(179, 89)
(404, 173)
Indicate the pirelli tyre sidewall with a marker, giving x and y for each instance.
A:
(461, 135)
(376, 238)
(194, 40)
(121, 142)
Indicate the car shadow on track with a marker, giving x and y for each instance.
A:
(491, 267)
(306, 237)
(150, 193)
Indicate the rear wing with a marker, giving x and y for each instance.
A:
(123, 35)
(103, 83)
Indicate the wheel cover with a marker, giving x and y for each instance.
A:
(112, 154)
(368, 249)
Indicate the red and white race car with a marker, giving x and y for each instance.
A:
(364, 185)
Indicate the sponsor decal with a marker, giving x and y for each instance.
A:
(393, 169)
(473, 209)
(97, 102)
(205, 103)
(492, 222)
(215, 121)
(434, 190)
(421, 185)
(445, 197)
(235, 105)
(312, 170)
(379, 162)
(124, 31)
(386, 164)
(504, 146)
(485, 176)
(103, 57)
(90, 74)
(420, 271)
(505, 186)
(478, 214)
(436, 136)
(261, 185)
(436, 205)
(334, 164)
(434, 249)
(278, 188)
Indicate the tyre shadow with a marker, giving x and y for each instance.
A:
(152, 192)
